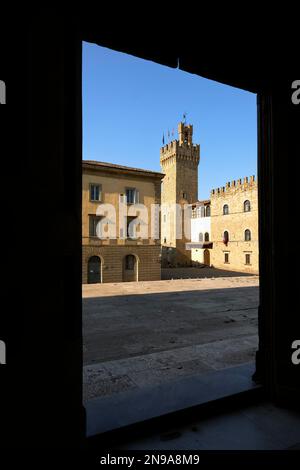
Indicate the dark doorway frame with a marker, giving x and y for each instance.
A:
(46, 80)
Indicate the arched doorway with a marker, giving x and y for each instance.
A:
(206, 257)
(130, 268)
(94, 270)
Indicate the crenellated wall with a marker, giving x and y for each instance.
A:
(247, 183)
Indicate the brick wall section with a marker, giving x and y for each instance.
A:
(149, 268)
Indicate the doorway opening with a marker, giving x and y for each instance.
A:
(193, 310)
(94, 270)
(206, 257)
(130, 268)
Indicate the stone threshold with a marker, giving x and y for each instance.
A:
(122, 410)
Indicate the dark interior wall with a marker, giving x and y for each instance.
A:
(278, 320)
(41, 255)
(42, 252)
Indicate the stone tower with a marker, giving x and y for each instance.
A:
(179, 161)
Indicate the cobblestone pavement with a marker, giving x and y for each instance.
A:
(137, 334)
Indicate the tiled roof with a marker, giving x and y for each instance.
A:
(87, 163)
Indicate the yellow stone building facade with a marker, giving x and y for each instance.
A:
(125, 256)
(234, 226)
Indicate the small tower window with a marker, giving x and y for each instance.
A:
(225, 237)
(207, 211)
(206, 237)
(225, 209)
(247, 235)
(226, 258)
(247, 206)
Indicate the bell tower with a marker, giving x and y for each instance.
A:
(179, 161)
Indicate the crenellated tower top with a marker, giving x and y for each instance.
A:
(182, 149)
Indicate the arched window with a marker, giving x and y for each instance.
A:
(206, 237)
(225, 237)
(207, 211)
(202, 211)
(247, 235)
(200, 237)
(247, 206)
(225, 209)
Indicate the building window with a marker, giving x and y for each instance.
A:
(184, 195)
(94, 226)
(247, 206)
(247, 235)
(165, 218)
(225, 237)
(200, 237)
(165, 240)
(95, 192)
(129, 262)
(225, 209)
(132, 196)
(247, 258)
(207, 211)
(226, 258)
(206, 237)
(202, 211)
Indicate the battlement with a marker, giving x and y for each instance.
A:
(175, 151)
(230, 187)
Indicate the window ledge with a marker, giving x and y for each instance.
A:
(125, 409)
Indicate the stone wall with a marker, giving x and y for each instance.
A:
(234, 194)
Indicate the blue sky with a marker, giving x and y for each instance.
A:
(128, 103)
